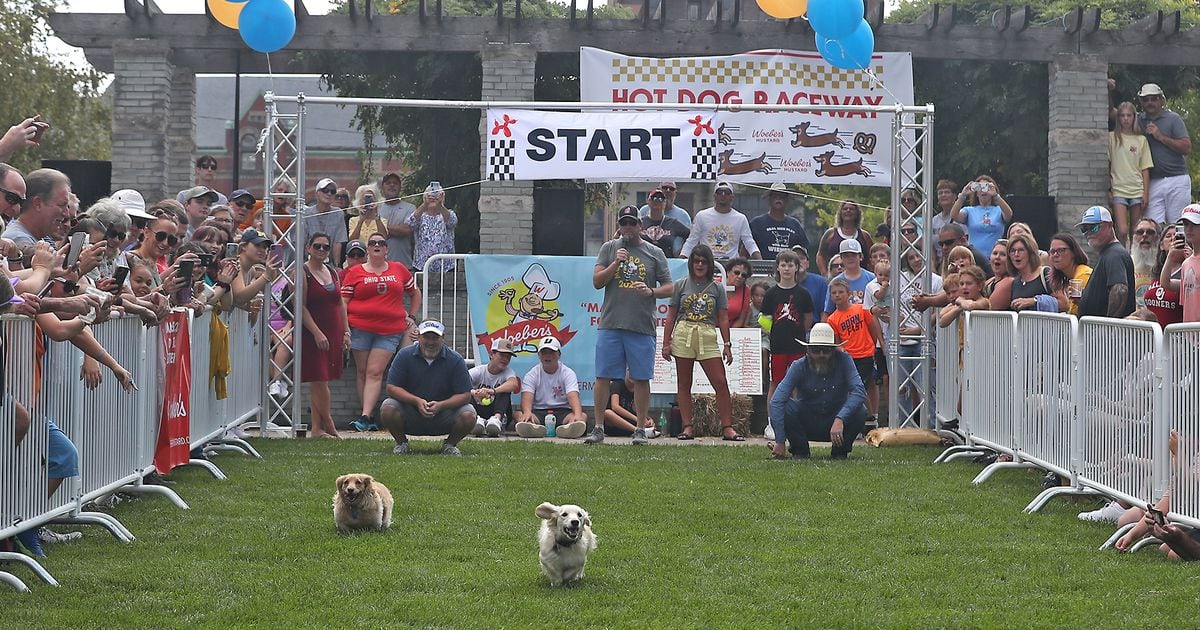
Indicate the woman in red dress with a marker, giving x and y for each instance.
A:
(326, 332)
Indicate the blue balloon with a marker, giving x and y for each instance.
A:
(267, 25)
(849, 53)
(835, 18)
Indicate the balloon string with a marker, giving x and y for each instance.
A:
(868, 72)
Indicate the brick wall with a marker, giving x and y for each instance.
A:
(1078, 162)
(141, 110)
(506, 208)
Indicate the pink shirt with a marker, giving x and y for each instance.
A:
(1189, 289)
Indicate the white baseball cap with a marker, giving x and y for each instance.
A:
(432, 325)
(549, 343)
(1191, 213)
(850, 246)
(132, 202)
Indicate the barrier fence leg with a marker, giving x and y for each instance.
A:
(107, 521)
(1112, 540)
(39, 570)
(954, 452)
(13, 581)
(142, 488)
(991, 469)
(234, 444)
(1143, 543)
(1042, 499)
(209, 466)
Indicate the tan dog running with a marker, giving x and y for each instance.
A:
(564, 542)
(361, 503)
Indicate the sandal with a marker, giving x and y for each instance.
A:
(685, 434)
(736, 437)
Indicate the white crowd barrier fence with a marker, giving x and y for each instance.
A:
(114, 431)
(948, 358)
(1181, 402)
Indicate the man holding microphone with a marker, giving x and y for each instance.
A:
(633, 273)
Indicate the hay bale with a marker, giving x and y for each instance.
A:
(706, 422)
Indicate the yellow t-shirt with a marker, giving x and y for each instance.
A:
(1126, 162)
(1083, 273)
(369, 229)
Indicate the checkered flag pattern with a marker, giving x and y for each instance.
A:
(739, 72)
(705, 162)
(502, 159)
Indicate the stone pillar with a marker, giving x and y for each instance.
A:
(181, 132)
(141, 110)
(1078, 160)
(506, 208)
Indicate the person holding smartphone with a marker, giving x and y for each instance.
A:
(1183, 255)
(982, 208)
(433, 229)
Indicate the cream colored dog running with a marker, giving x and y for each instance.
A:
(564, 541)
(361, 503)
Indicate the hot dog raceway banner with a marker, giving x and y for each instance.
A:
(761, 147)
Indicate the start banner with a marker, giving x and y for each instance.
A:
(529, 144)
(811, 147)
(174, 442)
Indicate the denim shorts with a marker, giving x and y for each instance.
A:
(1127, 201)
(363, 340)
(618, 349)
(64, 458)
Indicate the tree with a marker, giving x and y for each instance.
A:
(34, 82)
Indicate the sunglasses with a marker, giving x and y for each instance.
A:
(668, 188)
(12, 198)
(1145, 232)
(739, 274)
(328, 191)
(321, 247)
(120, 236)
(171, 239)
(948, 242)
(244, 204)
(1090, 229)
(838, 266)
(377, 243)
(820, 350)
(356, 254)
(908, 230)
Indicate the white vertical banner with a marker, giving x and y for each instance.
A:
(811, 147)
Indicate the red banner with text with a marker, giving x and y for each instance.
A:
(174, 433)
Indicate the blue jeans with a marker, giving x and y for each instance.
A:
(801, 424)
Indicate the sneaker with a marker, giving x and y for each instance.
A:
(479, 426)
(572, 431)
(402, 449)
(32, 543)
(50, 536)
(596, 437)
(769, 433)
(362, 424)
(493, 427)
(451, 450)
(531, 430)
(273, 388)
(651, 433)
(639, 436)
(1107, 514)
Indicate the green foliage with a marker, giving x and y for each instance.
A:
(1113, 13)
(689, 537)
(34, 82)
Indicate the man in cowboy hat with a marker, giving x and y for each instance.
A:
(821, 397)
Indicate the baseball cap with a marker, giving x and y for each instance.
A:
(628, 212)
(503, 345)
(549, 343)
(1095, 214)
(132, 203)
(390, 174)
(200, 191)
(433, 326)
(850, 246)
(1151, 89)
(801, 250)
(777, 187)
(241, 192)
(724, 186)
(325, 183)
(355, 245)
(255, 237)
(657, 194)
(1191, 213)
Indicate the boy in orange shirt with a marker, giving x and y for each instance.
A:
(860, 331)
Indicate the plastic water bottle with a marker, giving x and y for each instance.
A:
(662, 422)
(551, 421)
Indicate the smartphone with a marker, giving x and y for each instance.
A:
(185, 272)
(231, 250)
(46, 289)
(277, 250)
(120, 275)
(1157, 515)
(1180, 237)
(206, 260)
(39, 129)
(78, 241)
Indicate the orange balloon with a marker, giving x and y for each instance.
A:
(227, 12)
(783, 9)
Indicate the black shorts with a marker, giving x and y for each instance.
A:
(881, 367)
(866, 369)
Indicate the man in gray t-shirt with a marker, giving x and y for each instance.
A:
(1170, 184)
(324, 217)
(633, 273)
(395, 212)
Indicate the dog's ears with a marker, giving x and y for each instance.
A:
(367, 481)
(587, 518)
(341, 482)
(546, 510)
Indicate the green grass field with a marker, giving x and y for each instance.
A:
(688, 537)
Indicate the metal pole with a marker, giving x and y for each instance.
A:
(928, 184)
(298, 279)
(237, 119)
(268, 158)
(896, 367)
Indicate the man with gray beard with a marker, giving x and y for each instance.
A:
(1145, 255)
(821, 397)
